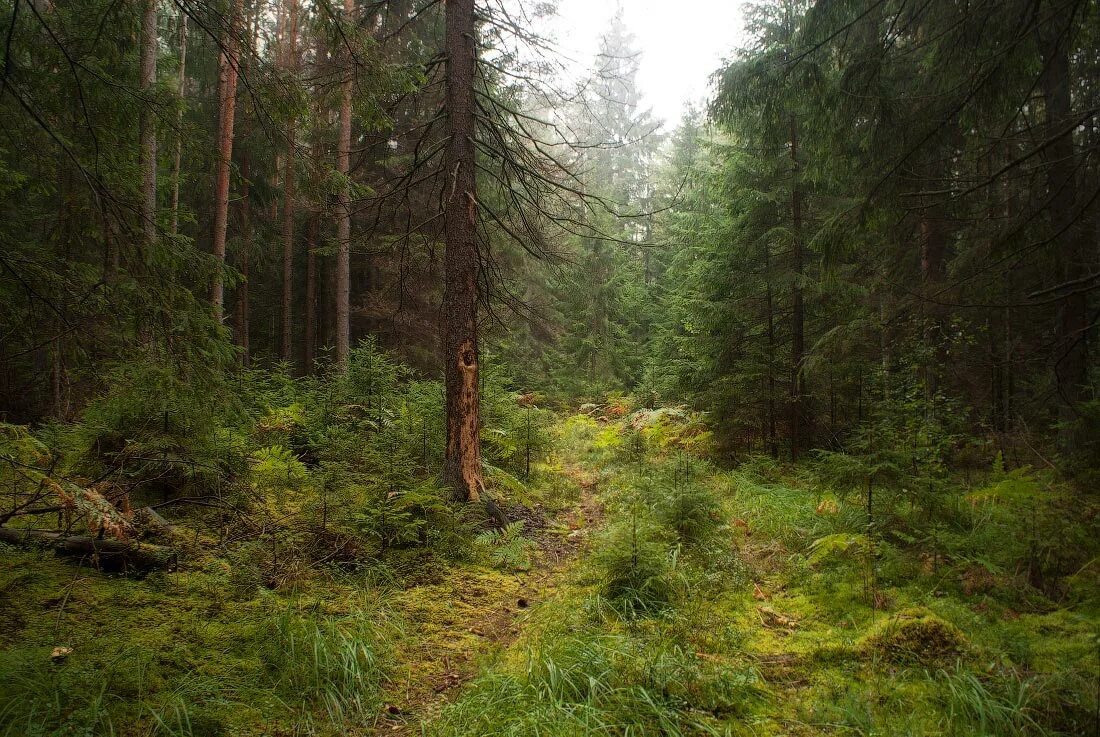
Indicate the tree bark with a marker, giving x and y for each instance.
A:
(242, 311)
(798, 311)
(343, 214)
(227, 106)
(1071, 326)
(769, 306)
(291, 60)
(181, 93)
(462, 463)
(311, 293)
(933, 250)
(147, 78)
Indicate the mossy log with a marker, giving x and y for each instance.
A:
(112, 555)
(151, 522)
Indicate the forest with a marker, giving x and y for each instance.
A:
(380, 367)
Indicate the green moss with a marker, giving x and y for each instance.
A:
(915, 636)
(755, 632)
(161, 656)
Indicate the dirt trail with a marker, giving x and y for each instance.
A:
(453, 623)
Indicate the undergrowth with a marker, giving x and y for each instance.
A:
(776, 600)
(856, 594)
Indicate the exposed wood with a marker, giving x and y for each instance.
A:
(242, 322)
(151, 520)
(798, 310)
(462, 463)
(311, 292)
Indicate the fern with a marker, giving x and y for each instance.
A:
(508, 548)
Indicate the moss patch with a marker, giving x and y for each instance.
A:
(915, 636)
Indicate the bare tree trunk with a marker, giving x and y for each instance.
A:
(181, 92)
(147, 78)
(109, 554)
(798, 312)
(227, 106)
(311, 293)
(57, 379)
(933, 249)
(288, 192)
(769, 306)
(462, 464)
(242, 314)
(343, 222)
(1071, 327)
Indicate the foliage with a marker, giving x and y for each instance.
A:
(332, 664)
(636, 566)
(509, 549)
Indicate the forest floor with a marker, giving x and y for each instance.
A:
(650, 593)
(780, 617)
(455, 625)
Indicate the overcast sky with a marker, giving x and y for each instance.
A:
(681, 41)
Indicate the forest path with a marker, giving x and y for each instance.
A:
(465, 615)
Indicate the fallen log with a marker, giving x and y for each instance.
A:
(153, 523)
(109, 555)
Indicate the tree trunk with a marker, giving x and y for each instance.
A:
(462, 464)
(769, 306)
(147, 78)
(798, 313)
(1071, 326)
(288, 192)
(343, 214)
(242, 312)
(181, 93)
(227, 106)
(933, 249)
(311, 293)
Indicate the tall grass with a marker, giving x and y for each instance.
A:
(307, 672)
(39, 697)
(1005, 704)
(597, 683)
(335, 665)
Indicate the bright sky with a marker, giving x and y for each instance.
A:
(681, 43)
